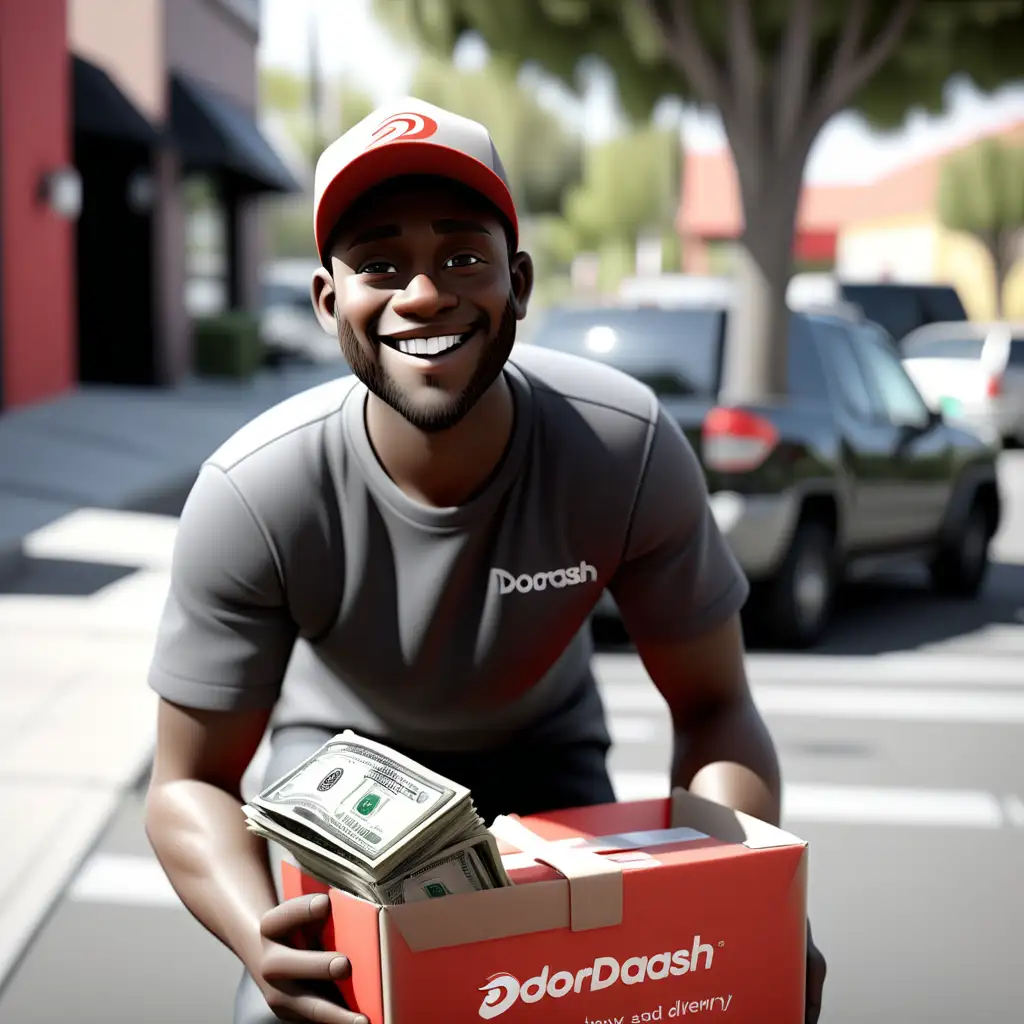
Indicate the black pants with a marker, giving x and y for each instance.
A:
(518, 779)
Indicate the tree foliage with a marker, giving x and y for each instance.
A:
(541, 156)
(630, 186)
(981, 192)
(776, 71)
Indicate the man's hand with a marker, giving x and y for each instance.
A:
(815, 979)
(288, 977)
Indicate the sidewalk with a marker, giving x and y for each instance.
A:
(121, 448)
(89, 488)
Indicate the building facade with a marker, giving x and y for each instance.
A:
(142, 100)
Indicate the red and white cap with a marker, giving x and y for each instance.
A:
(406, 137)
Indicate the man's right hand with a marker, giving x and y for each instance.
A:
(289, 978)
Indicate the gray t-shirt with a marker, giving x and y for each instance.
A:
(306, 581)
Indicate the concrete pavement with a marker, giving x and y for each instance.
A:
(122, 448)
(82, 580)
(900, 742)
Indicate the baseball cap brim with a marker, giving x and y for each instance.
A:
(375, 166)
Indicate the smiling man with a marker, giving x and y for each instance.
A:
(413, 552)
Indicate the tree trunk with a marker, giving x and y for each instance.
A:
(998, 244)
(755, 364)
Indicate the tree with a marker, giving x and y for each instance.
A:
(981, 192)
(290, 97)
(541, 157)
(776, 70)
(630, 186)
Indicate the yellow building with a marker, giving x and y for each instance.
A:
(891, 231)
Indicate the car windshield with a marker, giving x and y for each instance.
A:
(675, 351)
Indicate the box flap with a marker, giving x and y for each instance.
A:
(595, 883)
(725, 824)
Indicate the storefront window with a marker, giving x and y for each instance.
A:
(206, 248)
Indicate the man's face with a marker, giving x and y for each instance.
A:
(425, 300)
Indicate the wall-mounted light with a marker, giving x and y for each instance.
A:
(61, 190)
(141, 193)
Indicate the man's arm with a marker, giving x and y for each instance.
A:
(195, 824)
(722, 749)
(223, 645)
(680, 589)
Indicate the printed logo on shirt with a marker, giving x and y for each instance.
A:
(526, 583)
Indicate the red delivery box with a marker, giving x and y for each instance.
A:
(652, 910)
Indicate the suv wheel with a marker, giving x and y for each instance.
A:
(795, 607)
(960, 566)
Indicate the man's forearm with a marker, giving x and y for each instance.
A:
(215, 864)
(727, 755)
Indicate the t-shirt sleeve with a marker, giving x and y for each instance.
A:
(678, 577)
(225, 635)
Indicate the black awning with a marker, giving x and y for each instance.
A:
(215, 134)
(100, 108)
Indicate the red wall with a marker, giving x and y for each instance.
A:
(39, 336)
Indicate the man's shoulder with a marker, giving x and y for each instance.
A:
(283, 427)
(581, 382)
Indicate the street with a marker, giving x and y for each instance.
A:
(900, 741)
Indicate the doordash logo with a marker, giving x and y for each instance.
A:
(503, 990)
(571, 576)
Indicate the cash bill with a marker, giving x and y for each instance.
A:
(361, 817)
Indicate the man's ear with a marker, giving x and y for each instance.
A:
(521, 270)
(324, 296)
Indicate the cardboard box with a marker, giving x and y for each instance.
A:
(654, 910)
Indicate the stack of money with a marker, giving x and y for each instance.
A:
(363, 818)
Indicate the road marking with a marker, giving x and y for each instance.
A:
(639, 729)
(123, 881)
(904, 669)
(1013, 808)
(847, 702)
(135, 539)
(862, 805)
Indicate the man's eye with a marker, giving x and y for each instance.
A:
(463, 260)
(378, 267)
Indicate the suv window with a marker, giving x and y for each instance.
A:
(676, 352)
(847, 373)
(903, 404)
(942, 304)
(896, 309)
(806, 375)
(1016, 357)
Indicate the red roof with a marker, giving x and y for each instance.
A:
(710, 203)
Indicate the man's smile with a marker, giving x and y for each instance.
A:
(426, 346)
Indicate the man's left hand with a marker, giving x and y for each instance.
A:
(815, 979)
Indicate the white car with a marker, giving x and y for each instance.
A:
(971, 371)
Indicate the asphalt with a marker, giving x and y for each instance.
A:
(900, 740)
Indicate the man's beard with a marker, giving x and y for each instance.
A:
(372, 373)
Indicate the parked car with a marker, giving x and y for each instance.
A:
(897, 306)
(849, 471)
(971, 370)
(902, 307)
(288, 323)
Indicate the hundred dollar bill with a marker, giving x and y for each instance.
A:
(365, 799)
(361, 817)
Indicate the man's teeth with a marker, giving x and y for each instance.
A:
(428, 346)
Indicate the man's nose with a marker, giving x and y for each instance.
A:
(422, 299)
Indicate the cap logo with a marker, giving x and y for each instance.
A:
(406, 126)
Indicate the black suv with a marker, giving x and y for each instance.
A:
(849, 470)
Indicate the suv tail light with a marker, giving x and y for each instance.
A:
(736, 441)
(994, 388)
